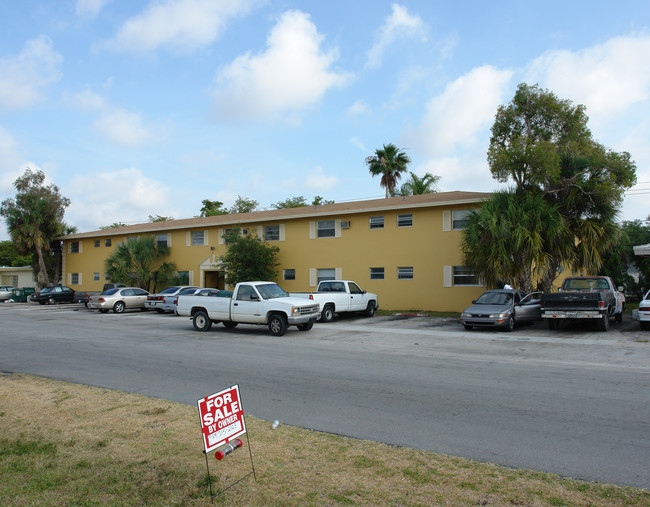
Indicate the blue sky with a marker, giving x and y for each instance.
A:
(145, 108)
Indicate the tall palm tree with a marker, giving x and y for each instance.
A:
(418, 186)
(389, 162)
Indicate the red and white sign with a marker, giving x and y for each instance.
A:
(222, 418)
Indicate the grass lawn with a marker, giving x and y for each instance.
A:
(69, 444)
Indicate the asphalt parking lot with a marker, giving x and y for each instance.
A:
(575, 402)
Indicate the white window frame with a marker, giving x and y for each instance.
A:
(376, 222)
(405, 273)
(459, 219)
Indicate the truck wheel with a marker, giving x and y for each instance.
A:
(119, 307)
(619, 317)
(553, 324)
(229, 324)
(370, 311)
(201, 321)
(327, 315)
(305, 327)
(603, 323)
(277, 325)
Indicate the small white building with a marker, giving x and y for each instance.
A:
(19, 277)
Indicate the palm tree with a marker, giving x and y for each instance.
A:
(389, 162)
(418, 186)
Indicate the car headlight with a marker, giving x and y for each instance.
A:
(499, 315)
(465, 314)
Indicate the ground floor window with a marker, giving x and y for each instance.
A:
(464, 276)
(376, 273)
(96, 277)
(405, 273)
(289, 274)
(325, 274)
(183, 277)
(74, 279)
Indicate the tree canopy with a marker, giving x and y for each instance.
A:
(247, 258)
(212, 208)
(427, 184)
(389, 162)
(10, 256)
(140, 262)
(35, 217)
(300, 202)
(542, 144)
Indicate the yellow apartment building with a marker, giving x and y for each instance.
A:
(404, 249)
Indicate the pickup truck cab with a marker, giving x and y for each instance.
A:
(262, 303)
(584, 297)
(337, 296)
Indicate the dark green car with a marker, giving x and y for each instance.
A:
(51, 295)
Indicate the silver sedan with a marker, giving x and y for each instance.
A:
(119, 299)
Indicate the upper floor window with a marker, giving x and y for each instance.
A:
(74, 247)
(405, 220)
(107, 242)
(161, 240)
(289, 274)
(198, 238)
(96, 243)
(459, 218)
(377, 222)
(326, 229)
(271, 233)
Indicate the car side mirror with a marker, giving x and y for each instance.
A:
(621, 289)
(474, 301)
(254, 297)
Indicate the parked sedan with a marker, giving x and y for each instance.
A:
(502, 308)
(644, 311)
(51, 295)
(5, 292)
(156, 301)
(119, 300)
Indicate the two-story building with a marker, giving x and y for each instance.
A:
(405, 249)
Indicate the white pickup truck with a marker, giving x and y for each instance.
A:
(263, 303)
(337, 296)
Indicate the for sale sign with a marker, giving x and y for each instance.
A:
(222, 418)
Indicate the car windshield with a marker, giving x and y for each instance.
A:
(494, 298)
(186, 291)
(271, 291)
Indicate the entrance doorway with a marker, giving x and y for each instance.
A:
(215, 279)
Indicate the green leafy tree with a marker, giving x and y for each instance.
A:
(140, 262)
(505, 239)
(114, 225)
(389, 162)
(212, 208)
(159, 218)
(244, 205)
(427, 184)
(34, 217)
(247, 258)
(543, 145)
(10, 256)
(300, 202)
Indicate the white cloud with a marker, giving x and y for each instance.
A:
(317, 180)
(461, 113)
(90, 8)
(123, 128)
(11, 164)
(608, 78)
(358, 108)
(182, 25)
(89, 100)
(399, 25)
(355, 141)
(125, 195)
(23, 78)
(288, 78)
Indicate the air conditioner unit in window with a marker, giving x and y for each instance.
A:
(345, 224)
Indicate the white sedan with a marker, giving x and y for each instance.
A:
(644, 311)
(6, 292)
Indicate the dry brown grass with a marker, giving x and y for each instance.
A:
(63, 444)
